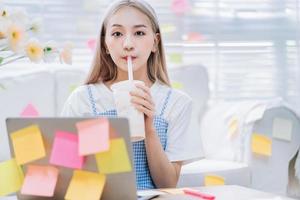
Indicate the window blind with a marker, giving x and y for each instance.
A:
(249, 47)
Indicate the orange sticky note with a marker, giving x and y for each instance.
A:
(261, 144)
(40, 181)
(29, 111)
(210, 180)
(11, 177)
(93, 136)
(116, 159)
(233, 127)
(85, 185)
(28, 144)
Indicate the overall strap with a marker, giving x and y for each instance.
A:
(165, 103)
(92, 101)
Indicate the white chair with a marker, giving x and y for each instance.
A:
(231, 156)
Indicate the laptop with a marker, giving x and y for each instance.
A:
(117, 186)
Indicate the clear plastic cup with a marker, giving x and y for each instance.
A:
(126, 109)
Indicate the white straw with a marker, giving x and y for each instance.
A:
(129, 65)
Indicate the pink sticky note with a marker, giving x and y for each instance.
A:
(65, 150)
(93, 136)
(91, 43)
(180, 6)
(29, 111)
(40, 181)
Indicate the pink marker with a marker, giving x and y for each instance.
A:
(198, 194)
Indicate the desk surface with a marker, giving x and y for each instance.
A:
(227, 192)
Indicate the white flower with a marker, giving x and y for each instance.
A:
(50, 52)
(34, 50)
(16, 37)
(66, 54)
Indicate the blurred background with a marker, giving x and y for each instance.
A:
(250, 48)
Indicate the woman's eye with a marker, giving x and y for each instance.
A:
(140, 33)
(117, 34)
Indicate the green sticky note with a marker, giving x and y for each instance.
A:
(168, 28)
(11, 177)
(2, 87)
(282, 129)
(72, 87)
(177, 85)
(176, 58)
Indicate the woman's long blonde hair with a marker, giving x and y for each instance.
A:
(103, 68)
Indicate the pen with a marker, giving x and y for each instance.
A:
(198, 194)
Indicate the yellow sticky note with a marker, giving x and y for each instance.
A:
(232, 127)
(177, 85)
(175, 58)
(210, 180)
(115, 160)
(28, 144)
(85, 185)
(172, 190)
(261, 144)
(11, 177)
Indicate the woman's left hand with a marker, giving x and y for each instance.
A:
(142, 101)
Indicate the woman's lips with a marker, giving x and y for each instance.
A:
(132, 58)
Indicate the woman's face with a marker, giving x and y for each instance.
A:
(129, 33)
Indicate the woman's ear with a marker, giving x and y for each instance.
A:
(156, 42)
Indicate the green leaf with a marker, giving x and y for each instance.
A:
(47, 49)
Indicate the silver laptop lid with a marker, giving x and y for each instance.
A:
(117, 186)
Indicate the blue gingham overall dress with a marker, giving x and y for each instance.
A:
(143, 177)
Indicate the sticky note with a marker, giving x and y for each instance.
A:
(177, 85)
(85, 185)
(91, 43)
(11, 177)
(29, 111)
(28, 144)
(93, 136)
(72, 87)
(193, 37)
(2, 87)
(65, 150)
(175, 58)
(210, 180)
(261, 144)
(233, 127)
(40, 180)
(168, 28)
(115, 160)
(180, 6)
(282, 129)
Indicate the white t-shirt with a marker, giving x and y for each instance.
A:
(177, 113)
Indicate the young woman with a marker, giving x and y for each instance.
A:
(130, 28)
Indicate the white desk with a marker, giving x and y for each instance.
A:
(227, 192)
